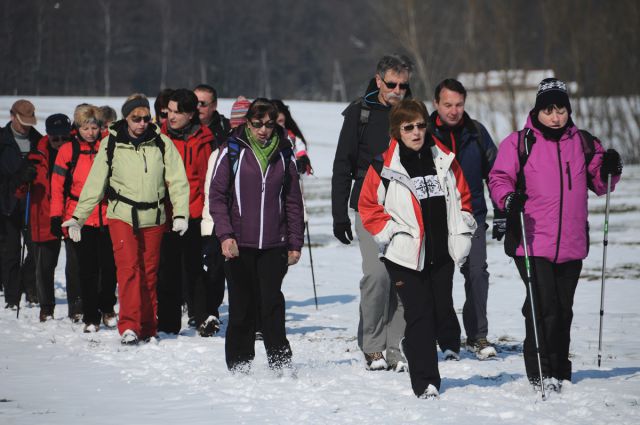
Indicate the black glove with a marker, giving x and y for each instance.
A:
(27, 172)
(514, 204)
(499, 224)
(611, 164)
(342, 231)
(303, 164)
(56, 227)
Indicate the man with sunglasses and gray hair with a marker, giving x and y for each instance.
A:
(365, 135)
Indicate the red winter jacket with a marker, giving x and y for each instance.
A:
(195, 152)
(39, 222)
(62, 207)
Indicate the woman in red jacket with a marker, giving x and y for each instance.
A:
(94, 251)
(46, 243)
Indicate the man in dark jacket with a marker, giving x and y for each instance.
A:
(475, 152)
(16, 173)
(209, 115)
(364, 135)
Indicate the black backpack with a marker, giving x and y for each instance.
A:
(526, 140)
(71, 166)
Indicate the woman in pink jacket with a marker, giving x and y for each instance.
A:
(561, 164)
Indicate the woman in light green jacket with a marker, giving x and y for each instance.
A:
(137, 169)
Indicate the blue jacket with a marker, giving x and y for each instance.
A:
(475, 152)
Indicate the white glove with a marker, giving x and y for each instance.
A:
(180, 225)
(75, 229)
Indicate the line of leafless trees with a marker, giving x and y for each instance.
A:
(305, 49)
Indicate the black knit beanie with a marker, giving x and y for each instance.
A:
(552, 91)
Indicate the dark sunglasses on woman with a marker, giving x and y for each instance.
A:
(137, 119)
(409, 127)
(259, 124)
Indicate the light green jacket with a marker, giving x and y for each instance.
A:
(139, 174)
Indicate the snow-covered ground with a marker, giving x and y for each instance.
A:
(52, 373)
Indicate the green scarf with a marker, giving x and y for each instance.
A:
(263, 151)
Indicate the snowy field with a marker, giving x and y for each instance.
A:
(52, 373)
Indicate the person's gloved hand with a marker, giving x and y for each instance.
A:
(342, 231)
(611, 164)
(75, 229)
(180, 225)
(303, 164)
(56, 227)
(27, 172)
(499, 224)
(514, 203)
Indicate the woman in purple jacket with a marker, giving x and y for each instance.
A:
(256, 205)
(554, 202)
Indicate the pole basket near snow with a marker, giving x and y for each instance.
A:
(532, 304)
(605, 242)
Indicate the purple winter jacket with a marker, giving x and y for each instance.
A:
(555, 212)
(258, 217)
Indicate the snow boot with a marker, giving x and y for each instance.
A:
(431, 393)
(375, 361)
(129, 337)
(91, 328)
(451, 355)
(209, 327)
(481, 347)
(110, 320)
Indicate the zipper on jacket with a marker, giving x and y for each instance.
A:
(561, 202)
(568, 174)
(144, 158)
(264, 178)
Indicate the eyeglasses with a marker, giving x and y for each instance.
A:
(409, 127)
(403, 86)
(137, 119)
(163, 114)
(259, 124)
(203, 104)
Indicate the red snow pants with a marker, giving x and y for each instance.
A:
(137, 256)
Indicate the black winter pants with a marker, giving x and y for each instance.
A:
(208, 297)
(46, 254)
(72, 276)
(554, 286)
(423, 295)
(97, 273)
(17, 278)
(264, 269)
(180, 267)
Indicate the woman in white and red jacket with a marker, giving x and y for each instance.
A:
(417, 206)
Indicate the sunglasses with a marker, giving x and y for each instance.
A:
(137, 119)
(409, 127)
(163, 114)
(58, 138)
(203, 104)
(403, 86)
(259, 124)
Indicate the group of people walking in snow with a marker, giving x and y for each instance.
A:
(128, 198)
(167, 209)
(417, 185)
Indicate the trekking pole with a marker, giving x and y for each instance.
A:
(533, 310)
(27, 211)
(313, 274)
(605, 242)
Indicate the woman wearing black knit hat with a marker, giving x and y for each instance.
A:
(543, 172)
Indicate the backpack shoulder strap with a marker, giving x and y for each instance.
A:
(526, 140)
(378, 164)
(111, 146)
(365, 111)
(71, 166)
(588, 145)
